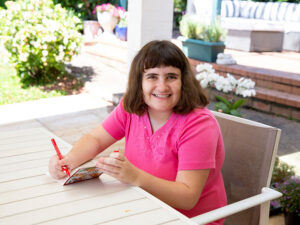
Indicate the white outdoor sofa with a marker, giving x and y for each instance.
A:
(257, 26)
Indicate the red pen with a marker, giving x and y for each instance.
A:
(63, 168)
(116, 150)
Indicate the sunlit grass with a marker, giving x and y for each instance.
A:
(11, 90)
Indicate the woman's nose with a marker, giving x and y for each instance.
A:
(162, 84)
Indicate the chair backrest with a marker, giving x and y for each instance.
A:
(250, 151)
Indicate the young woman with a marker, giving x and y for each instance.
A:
(174, 147)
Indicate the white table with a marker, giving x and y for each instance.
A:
(28, 196)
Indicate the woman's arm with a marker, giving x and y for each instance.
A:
(183, 193)
(86, 148)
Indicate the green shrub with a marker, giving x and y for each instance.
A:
(39, 37)
(83, 8)
(281, 172)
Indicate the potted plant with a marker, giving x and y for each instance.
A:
(281, 172)
(108, 17)
(200, 40)
(121, 27)
(290, 201)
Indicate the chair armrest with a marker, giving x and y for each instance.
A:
(267, 194)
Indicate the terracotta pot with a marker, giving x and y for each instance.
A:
(91, 28)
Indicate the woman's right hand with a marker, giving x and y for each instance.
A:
(55, 165)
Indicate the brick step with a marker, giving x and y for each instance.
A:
(260, 102)
(278, 97)
(276, 92)
(266, 78)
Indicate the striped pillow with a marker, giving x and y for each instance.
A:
(259, 10)
(267, 11)
(230, 8)
(282, 11)
(274, 11)
(253, 9)
(224, 9)
(237, 8)
(289, 12)
(296, 14)
(246, 8)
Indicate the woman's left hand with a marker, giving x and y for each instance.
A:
(117, 166)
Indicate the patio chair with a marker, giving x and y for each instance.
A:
(250, 151)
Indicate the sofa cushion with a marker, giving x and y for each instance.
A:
(247, 9)
(230, 8)
(274, 11)
(251, 24)
(296, 14)
(282, 11)
(253, 9)
(260, 10)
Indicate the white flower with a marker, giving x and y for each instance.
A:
(73, 45)
(39, 27)
(247, 83)
(65, 40)
(205, 67)
(45, 52)
(201, 76)
(204, 83)
(208, 78)
(61, 48)
(36, 44)
(223, 84)
(231, 79)
(23, 57)
(61, 56)
(213, 77)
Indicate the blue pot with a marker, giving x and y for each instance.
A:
(121, 33)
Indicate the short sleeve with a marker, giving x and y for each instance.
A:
(198, 143)
(115, 123)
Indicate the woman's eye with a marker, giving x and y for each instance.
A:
(151, 77)
(171, 77)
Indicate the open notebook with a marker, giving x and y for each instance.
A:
(84, 172)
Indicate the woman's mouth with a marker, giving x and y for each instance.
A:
(162, 95)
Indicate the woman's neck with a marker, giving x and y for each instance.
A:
(158, 119)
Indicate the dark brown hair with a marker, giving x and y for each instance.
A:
(156, 54)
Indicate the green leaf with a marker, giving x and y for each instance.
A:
(229, 105)
(222, 106)
(234, 112)
(238, 103)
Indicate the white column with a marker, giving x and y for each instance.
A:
(202, 8)
(148, 20)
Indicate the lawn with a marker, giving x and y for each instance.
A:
(11, 90)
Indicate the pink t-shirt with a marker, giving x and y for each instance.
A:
(186, 142)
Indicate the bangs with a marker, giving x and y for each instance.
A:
(164, 54)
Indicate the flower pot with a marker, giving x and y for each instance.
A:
(291, 218)
(202, 50)
(107, 21)
(121, 33)
(91, 28)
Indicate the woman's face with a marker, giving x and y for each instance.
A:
(161, 88)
